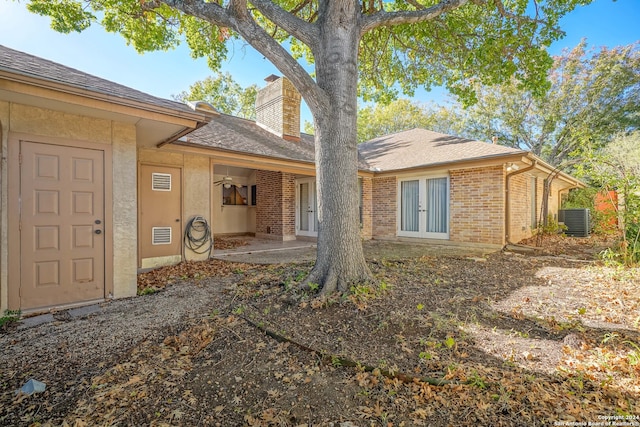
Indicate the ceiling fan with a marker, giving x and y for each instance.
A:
(227, 181)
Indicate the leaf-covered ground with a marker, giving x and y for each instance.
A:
(444, 340)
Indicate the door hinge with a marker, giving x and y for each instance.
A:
(20, 226)
(20, 158)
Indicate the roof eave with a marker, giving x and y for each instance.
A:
(459, 164)
(57, 86)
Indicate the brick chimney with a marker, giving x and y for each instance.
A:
(278, 108)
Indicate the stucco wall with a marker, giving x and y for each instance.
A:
(40, 121)
(119, 140)
(4, 134)
(196, 194)
(196, 188)
(228, 219)
(125, 207)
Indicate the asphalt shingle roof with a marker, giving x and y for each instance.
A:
(408, 149)
(235, 134)
(25, 64)
(421, 147)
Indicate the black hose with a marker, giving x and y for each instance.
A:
(198, 237)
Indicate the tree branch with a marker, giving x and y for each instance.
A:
(302, 30)
(382, 18)
(211, 12)
(237, 17)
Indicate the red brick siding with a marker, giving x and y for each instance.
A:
(384, 206)
(288, 204)
(275, 208)
(367, 208)
(520, 200)
(278, 108)
(477, 205)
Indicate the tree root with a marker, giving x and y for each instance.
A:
(329, 282)
(343, 361)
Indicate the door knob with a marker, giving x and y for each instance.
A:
(98, 231)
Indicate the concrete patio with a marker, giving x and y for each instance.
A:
(264, 251)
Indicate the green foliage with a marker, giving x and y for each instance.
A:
(147, 291)
(579, 198)
(468, 43)
(492, 49)
(10, 316)
(617, 166)
(66, 15)
(224, 93)
(593, 96)
(634, 355)
(551, 227)
(449, 342)
(476, 380)
(403, 114)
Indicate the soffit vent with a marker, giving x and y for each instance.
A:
(161, 182)
(161, 235)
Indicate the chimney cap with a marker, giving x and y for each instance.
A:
(271, 78)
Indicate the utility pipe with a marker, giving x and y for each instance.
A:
(507, 213)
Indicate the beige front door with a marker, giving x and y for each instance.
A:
(61, 225)
(160, 213)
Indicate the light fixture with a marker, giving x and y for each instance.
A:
(512, 167)
(227, 185)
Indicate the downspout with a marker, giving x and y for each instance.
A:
(507, 212)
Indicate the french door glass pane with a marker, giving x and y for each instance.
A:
(437, 205)
(304, 207)
(409, 191)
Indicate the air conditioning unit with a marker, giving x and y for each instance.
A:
(577, 221)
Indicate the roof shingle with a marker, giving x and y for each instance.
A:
(423, 148)
(235, 134)
(25, 64)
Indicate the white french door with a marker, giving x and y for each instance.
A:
(423, 207)
(306, 207)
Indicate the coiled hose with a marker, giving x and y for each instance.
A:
(198, 237)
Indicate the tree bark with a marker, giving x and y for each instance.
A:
(340, 259)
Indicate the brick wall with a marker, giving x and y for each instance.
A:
(275, 208)
(288, 206)
(477, 205)
(520, 204)
(384, 206)
(367, 208)
(278, 109)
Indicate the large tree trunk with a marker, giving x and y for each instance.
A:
(340, 259)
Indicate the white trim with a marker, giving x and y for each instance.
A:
(160, 181)
(312, 232)
(161, 235)
(422, 196)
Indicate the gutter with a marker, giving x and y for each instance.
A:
(507, 213)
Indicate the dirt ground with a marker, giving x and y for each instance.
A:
(444, 339)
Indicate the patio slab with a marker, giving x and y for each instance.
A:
(275, 252)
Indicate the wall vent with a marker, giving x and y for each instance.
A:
(161, 182)
(161, 235)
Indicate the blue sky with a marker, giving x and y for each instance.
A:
(603, 23)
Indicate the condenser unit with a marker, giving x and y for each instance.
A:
(577, 221)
